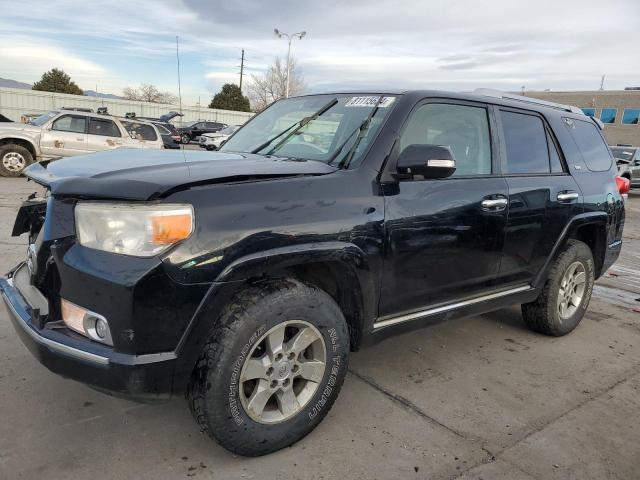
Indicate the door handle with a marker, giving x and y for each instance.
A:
(567, 196)
(494, 204)
(80, 139)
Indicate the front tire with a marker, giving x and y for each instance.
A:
(14, 159)
(271, 369)
(565, 296)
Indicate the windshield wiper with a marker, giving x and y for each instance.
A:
(361, 131)
(296, 127)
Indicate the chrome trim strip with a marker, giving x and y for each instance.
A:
(387, 321)
(73, 352)
(615, 244)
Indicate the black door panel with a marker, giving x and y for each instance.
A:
(536, 220)
(541, 201)
(442, 243)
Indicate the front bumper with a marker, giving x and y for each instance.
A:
(145, 378)
(208, 142)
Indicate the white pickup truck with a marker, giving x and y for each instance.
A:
(63, 133)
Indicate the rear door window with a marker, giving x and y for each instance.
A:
(103, 127)
(140, 131)
(556, 163)
(70, 123)
(526, 143)
(593, 148)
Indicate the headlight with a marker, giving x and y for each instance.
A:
(139, 230)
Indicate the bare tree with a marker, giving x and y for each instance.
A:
(148, 93)
(272, 85)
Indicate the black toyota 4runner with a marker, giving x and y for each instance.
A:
(245, 277)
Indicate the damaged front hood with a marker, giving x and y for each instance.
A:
(146, 174)
(19, 127)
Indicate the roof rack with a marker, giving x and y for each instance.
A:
(488, 92)
(78, 109)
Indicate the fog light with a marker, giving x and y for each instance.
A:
(85, 322)
(101, 328)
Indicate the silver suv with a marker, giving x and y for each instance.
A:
(628, 160)
(63, 133)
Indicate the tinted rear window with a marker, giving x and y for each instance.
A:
(623, 153)
(591, 145)
(140, 131)
(526, 142)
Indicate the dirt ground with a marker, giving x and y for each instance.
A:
(476, 398)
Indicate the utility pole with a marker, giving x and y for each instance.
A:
(179, 87)
(241, 69)
(602, 82)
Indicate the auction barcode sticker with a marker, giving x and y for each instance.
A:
(369, 101)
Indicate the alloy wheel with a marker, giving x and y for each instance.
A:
(572, 288)
(282, 372)
(13, 162)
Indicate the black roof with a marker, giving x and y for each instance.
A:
(494, 97)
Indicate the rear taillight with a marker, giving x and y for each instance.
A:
(624, 185)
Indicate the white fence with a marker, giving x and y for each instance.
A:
(15, 102)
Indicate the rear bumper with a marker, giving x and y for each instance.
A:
(146, 378)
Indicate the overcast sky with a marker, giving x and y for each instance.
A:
(442, 44)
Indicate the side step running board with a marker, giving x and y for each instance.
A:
(393, 320)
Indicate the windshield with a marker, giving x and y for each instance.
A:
(42, 119)
(327, 138)
(227, 130)
(623, 153)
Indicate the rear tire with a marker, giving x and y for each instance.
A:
(565, 296)
(271, 369)
(14, 159)
(185, 138)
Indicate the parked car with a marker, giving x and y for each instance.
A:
(628, 160)
(246, 276)
(63, 133)
(213, 141)
(170, 135)
(193, 130)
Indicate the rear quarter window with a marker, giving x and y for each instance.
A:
(592, 146)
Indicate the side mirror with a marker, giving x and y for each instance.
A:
(429, 161)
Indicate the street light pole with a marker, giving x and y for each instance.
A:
(290, 38)
(288, 66)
